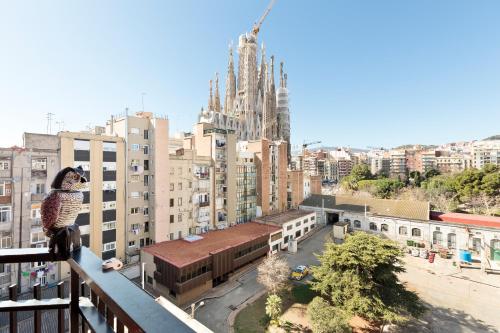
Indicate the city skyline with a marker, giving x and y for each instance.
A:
(84, 63)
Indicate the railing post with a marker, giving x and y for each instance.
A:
(75, 300)
(13, 314)
(37, 294)
(60, 312)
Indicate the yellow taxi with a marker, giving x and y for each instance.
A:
(299, 272)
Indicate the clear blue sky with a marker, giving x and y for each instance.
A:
(379, 73)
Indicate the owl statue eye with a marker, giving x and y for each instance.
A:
(76, 176)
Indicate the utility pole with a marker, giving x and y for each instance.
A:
(49, 122)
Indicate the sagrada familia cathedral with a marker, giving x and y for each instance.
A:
(252, 105)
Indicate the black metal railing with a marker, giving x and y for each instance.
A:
(100, 301)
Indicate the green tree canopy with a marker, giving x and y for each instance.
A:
(360, 278)
(325, 318)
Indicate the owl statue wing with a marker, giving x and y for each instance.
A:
(51, 206)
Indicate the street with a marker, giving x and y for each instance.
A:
(215, 312)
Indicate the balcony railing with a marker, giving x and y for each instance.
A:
(102, 301)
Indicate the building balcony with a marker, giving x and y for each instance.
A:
(38, 173)
(204, 204)
(37, 196)
(102, 301)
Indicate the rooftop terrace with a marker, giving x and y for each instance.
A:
(281, 218)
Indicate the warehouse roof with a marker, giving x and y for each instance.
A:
(183, 252)
(467, 219)
(416, 210)
(282, 218)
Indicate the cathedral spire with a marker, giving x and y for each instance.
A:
(210, 98)
(282, 79)
(271, 82)
(217, 95)
(230, 84)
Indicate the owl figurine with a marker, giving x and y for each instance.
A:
(60, 208)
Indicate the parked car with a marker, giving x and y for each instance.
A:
(299, 272)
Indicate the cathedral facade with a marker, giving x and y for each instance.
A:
(253, 107)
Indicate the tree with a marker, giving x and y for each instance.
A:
(360, 172)
(360, 278)
(415, 178)
(431, 173)
(325, 318)
(273, 308)
(273, 273)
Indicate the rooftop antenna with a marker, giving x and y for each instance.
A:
(61, 125)
(49, 122)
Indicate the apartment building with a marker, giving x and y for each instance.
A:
(451, 163)
(485, 152)
(427, 161)
(220, 146)
(102, 218)
(294, 188)
(25, 177)
(271, 163)
(147, 194)
(398, 164)
(202, 195)
(246, 187)
(380, 165)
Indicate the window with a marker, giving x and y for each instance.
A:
(3, 189)
(81, 144)
(109, 205)
(171, 202)
(313, 218)
(171, 236)
(357, 224)
(4, 165)
(111, 225)
(35, 213)
(180, 234)
(437, 237)
(179, 217)
(145, 148)
(285, 240)
(39, 164)
(141, 242)
(4, 268)
(305, 221)
(179, 201)
(109, 146)
(172, 219)
(289, 227)
(39, 188)
(171, 186)
(298, 224)
(403, 230)
(131, 243)
(146, 211)
(146, 229)
(297, 234)
(38, 237)
(146, 165)
(415, 232)
(134, 130)
(384, 227)
(146, 195)
(452, 241)
(108, 246)
(135, 147)
(179, 186)
(373, 226)
(146, 134)
(134, 210)
(134, 195)
(146, 180)
(347, 220)
(5, 242)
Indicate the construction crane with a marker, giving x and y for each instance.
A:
(304, 146)
(256, 26)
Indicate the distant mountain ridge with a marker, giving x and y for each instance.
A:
(493, 137)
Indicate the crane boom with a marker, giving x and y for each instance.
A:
(256, 26)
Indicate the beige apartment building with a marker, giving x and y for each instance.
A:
(102, 218)
(294, 188)
(25, 177)
(220, 146)
(147, 193)
(398, 164)
(271, 164)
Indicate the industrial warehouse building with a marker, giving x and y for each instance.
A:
(293, 224)
(404, 221)
(183, 269)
